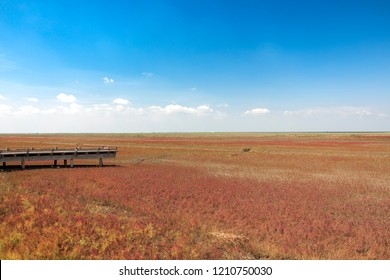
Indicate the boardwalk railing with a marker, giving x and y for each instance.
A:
(55, 154)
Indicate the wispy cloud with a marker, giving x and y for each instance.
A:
(108, 80)
(147, 74)
(66, 98)
(175, 108)
(336, 111)
(257, 112)
(193, 89)
(121, 101)
(2, 97)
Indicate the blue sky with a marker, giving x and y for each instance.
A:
(144, 66)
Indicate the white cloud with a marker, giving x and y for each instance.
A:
(257, 112)
(49, 111)
(72, 109)
(174, 109)
(5, 109)
(109, 110)
(335, 111)
(123, 117)
(2, 97)
(98, 107)
(108, 80)
(205, 109)
(147, 74)
(75, 108)
(121, 101)
(305, 112)
(27, 110)
(32, 99)
(121, 105)
(66, 98)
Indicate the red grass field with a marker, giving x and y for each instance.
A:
(200, 196)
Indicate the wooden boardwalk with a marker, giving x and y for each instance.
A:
(24, 155)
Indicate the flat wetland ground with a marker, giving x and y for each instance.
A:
(201, 196)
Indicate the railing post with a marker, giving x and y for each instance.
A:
(100, 162)
(23, 163)
(71, 163)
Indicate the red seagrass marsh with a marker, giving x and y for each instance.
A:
(201, 196)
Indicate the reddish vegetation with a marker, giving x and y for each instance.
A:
(189, 196)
